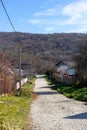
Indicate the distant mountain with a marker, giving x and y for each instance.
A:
(41, 50)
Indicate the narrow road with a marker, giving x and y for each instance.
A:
(53, 111)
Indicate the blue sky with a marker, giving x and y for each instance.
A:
(45, 16)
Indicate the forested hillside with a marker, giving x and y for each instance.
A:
(41, 49)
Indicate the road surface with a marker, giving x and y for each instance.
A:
(53, 111)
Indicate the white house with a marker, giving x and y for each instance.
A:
(62, 68)
(64, 72)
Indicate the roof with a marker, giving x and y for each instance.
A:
(60, 63)
(16, 71)
(6, 70)
(62, 68)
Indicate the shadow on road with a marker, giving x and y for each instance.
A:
(50, 86)
(78, 116)
(45, 93)
(85, 103)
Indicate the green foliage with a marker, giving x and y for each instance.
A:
(14, 110)
(73, 92)
(77, 91)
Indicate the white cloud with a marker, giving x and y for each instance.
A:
(75, 8)
(75, 11)
(48, 12)
(36, 21)
(53, 19)
(81, 29)
(49, 29)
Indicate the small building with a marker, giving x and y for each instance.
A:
(65, 73)
(28, 67)
(6, 79)
(62, 68)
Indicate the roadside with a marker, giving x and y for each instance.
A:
(53, 111)
(75, 91)
(14, 110)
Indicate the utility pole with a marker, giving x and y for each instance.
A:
(20, 66)
(20, 59)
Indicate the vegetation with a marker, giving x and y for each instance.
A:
(77, 91)
(46, 48)
(81, 62)
(73, 92)
(14, 110)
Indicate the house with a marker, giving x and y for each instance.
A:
(6, 79)
(65, 73)
(28, 67)
(23, 73)
(62, 68)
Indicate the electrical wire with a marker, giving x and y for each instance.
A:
(18, 40)
(8, 16)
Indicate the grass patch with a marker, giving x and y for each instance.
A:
(78, 92)
(14, 110)
(73, 92)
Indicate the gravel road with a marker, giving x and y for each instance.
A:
(53, 111)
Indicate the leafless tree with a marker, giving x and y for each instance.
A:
(81, 61)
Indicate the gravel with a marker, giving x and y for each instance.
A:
(53, 111)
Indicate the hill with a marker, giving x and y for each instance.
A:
(42, 50)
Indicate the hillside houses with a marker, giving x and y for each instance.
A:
(62, 68)
(65, 73)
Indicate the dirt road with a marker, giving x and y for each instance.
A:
(53, 111)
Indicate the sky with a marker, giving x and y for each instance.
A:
(45, 16)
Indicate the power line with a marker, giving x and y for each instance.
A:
(18, 40)
(8, 16)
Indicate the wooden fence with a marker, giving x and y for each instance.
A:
(7, 84)
(64, 78)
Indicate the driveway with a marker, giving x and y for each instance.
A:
(53, 111)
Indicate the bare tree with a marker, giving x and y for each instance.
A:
(81, 61)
